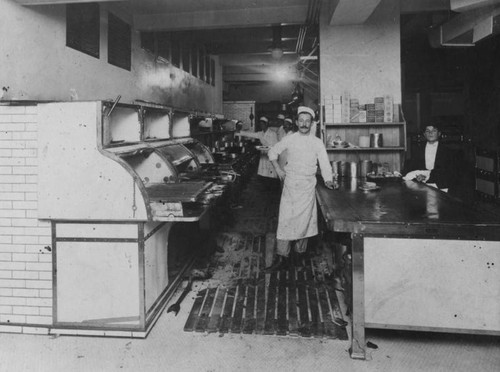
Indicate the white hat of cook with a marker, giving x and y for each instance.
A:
(289, 120)
(264, 119)
(281, 116)
(305, 109)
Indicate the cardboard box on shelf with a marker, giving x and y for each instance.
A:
(362, 116)
(346, 98)
(388, 109)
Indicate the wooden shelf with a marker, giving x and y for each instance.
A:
(329, 125)
(365, 149)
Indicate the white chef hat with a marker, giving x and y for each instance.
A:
(289, 120)
(305, 109)
(281, 116)
(264, 119)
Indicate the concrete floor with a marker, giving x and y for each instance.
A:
(169, 348)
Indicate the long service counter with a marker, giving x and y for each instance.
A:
(421, 259)
(130, 196)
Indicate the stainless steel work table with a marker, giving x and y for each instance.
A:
(421, 259)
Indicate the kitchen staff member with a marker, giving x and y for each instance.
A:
(288, 130)
(281, 130)
(298, 211)
(267, 138)
(432, 163)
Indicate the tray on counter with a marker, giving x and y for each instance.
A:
(177, 192)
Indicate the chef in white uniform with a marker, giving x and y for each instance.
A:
(298, 211)
(288, 130)
(267, 138)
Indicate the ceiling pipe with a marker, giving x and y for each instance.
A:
(317, 7)
(312, 18)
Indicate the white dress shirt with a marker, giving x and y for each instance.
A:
(430, 155)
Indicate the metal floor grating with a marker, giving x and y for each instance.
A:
(296, 302)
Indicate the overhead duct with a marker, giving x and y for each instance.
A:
(466, 29)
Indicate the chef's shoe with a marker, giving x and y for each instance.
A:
(279, 263)
(299, 258)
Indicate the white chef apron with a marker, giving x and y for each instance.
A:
(298, 212)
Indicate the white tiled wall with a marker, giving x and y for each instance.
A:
(25, 241)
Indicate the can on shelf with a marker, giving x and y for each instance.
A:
(353, 169)
(365, 167)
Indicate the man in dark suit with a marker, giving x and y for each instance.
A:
(434, 159)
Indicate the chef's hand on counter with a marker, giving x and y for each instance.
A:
(421, 178)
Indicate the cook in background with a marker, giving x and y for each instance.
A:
(433, 162)
(298, 218)
(267, 138)
(280, 119)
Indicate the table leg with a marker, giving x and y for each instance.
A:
(358, 343)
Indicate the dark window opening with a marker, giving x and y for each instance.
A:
(207, 69)
(201, 65)
(164, 46)
(176, 53)
(119, 42)
(186, 58)
(194, 61)
(148, 42)
(212, 72)
(82, 28)
(185, 55)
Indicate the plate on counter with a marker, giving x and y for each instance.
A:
(383, 177)
(341, 145)
(369, 186)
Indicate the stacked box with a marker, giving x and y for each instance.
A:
(328, 104)
(337, 109)
(362, 113)
(362, 116)
(370, 113)
(388, 109)
(346, 98)
(354, 111)
(379, 109)
(396, 117)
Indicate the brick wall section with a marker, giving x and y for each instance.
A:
(25, 241)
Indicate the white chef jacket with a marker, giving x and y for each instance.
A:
(298, 210)
(283, 157)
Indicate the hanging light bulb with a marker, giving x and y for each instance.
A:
(276, 48)
(276, 53)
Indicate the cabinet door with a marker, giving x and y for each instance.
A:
(97, 284)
